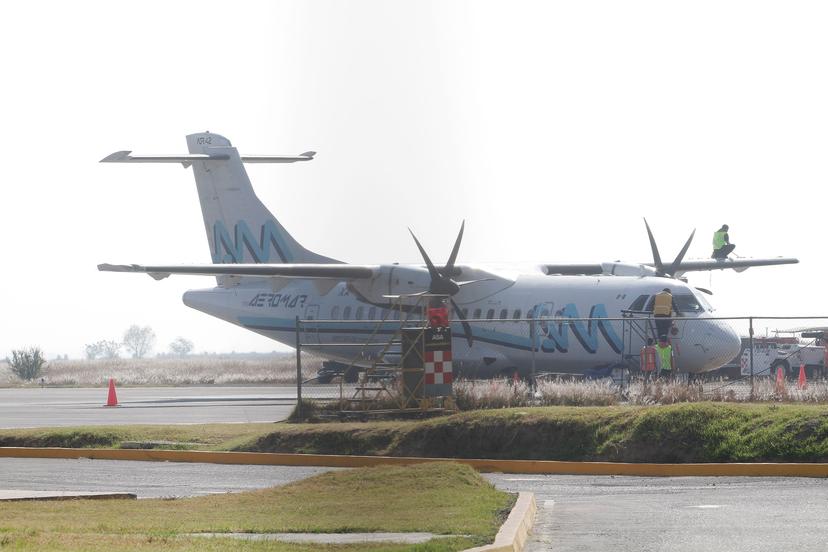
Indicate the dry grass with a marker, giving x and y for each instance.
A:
(192, 370)
(472, 395)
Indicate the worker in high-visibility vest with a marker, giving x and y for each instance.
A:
(664, 352)
(721, 243)
(648, 359)
(662, 311)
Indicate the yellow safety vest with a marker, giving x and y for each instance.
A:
(719, 239)
(665, 355)
(663, 304)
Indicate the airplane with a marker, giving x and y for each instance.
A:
(588, 318)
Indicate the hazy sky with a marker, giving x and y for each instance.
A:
(552, 128)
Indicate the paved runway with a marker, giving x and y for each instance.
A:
(145, 405)
(146, 479)
(583, 513)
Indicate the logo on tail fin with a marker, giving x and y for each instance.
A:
(227, 249)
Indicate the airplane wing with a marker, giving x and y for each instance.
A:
(319, 271)
(743, 264)
(573, 269)
(649, 269)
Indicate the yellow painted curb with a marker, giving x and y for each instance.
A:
(503, 466)
(514, 532)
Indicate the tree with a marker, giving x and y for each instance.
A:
(92, 350)
(27, 364)
(104, 348)
(138, 340)
(109, 348)
(181, 346)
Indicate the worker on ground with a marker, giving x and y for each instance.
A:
(721, 243)
(662, 311)
(648, 359)
(664, 352)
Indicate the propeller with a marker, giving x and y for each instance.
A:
(669, 271)
(442, 282)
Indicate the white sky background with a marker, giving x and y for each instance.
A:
(551, 128)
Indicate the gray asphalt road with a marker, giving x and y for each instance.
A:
(146, 479)
(144, 405)
(678, 514)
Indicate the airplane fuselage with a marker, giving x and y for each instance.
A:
(582, 323)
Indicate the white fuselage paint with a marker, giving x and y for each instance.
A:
(498, 348)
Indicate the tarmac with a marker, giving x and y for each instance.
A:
(53, 407)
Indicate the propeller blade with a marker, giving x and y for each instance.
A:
(466, 327)
(674, 267)
(435, 275)
(656, 257)
(448, 271)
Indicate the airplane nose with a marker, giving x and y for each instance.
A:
(709, 344)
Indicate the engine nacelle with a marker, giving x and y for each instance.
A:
(392, 280)
(628, 269)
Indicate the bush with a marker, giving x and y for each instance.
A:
(27, 364)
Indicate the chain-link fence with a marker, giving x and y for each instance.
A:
(720, 354)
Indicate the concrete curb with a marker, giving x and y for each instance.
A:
(514, 532)
(482, 465)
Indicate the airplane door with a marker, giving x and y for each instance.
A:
(311, 326)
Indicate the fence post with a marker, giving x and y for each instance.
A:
(298, 372)
(532, 337)
(750, 343)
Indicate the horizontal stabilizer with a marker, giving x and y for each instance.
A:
(331, 271)
(189, 158)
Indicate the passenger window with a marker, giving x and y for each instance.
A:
(346, 314)
(517, 314)
(372, 313)
(490, 314)
(465, 313)
(335, 313)
(359, 312)
(476, 314)
(504, 314)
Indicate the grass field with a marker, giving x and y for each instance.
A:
(686, 432)
(190, 370)
(442, 498)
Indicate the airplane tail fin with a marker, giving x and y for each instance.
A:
(240, 229)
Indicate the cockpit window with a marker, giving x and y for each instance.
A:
(687, 303)
(638, 304)
(703, 301)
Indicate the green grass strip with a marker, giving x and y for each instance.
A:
(441, 498)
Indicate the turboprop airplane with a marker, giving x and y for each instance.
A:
(266, 279)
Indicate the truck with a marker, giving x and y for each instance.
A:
(789, 353)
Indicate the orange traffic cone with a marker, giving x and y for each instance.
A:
(802, 383)
(780, 379)
(112, 400)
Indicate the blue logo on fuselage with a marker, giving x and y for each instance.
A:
(227, 249)
(554, 335)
